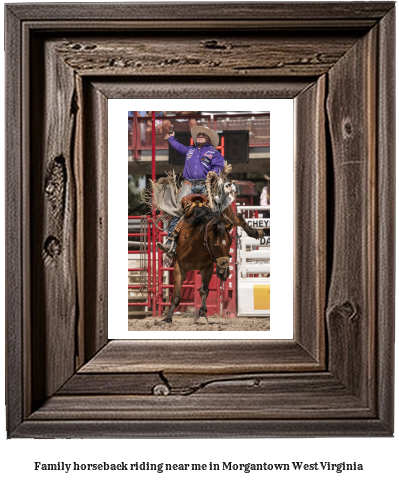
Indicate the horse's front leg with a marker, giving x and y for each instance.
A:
(178, 275)
(239, 221)
(206, 276)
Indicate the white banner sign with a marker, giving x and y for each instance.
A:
(258, 222)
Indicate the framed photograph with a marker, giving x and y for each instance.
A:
(65, 377)
(266, 120)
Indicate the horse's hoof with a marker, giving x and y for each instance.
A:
(261, 233)
(165, 321)
(202, 318)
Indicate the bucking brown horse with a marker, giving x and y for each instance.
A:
(204, 240)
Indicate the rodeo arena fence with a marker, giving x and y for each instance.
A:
(246, 292)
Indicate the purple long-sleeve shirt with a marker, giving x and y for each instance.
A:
(199, 161)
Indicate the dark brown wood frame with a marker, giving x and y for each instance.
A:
(63, 62)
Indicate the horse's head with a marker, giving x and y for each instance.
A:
(219, 245)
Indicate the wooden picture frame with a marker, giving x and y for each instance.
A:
(335, 378)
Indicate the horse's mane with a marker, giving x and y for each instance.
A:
(200, 217)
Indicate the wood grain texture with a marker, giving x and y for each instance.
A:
(205, 55)
(200, 356)
(191, 428)
(310, 219)
(249, 405)
(154, 87)
(276, 396)
(15, 260)
(385, 244)
(95, 225)
(53, 213)
(185, 384)
(360, 13)
(112, 384)
(351, 306)
(335, 377)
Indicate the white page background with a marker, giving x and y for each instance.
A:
(378, 455)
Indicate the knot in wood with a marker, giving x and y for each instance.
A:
(161, 390)
(347, 128)
(49, 189)
(213, 44)
(346, 310)
(349, 310)
(52, 246)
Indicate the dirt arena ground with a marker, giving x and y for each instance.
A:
(184, 322)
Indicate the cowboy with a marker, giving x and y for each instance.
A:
(200, 158)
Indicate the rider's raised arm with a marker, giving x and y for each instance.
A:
(182, 149)
(217, 163)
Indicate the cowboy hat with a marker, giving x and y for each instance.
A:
(209, 132)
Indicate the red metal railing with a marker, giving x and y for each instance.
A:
(147, 269)
(140, 128)
(150, 238)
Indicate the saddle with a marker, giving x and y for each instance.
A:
(191, 198)
(189, 202)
